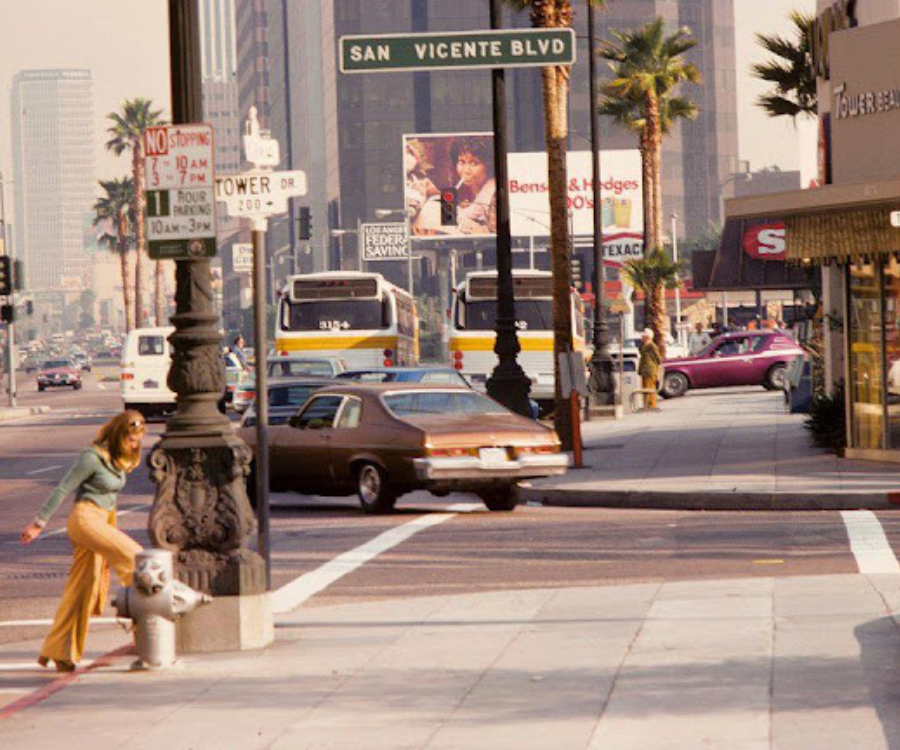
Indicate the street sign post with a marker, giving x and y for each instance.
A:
(181, 217)
(461, 50)
(259, 194)
(387, 241)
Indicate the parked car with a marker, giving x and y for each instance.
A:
(146, 359)
(287, 366)
(424, 374)
(285, 398)
(58, 373)
(742, 358)
(384, 440)
(83, 361)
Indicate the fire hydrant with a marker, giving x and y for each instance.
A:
(154, 602)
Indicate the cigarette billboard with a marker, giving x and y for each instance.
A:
(457, 165)
(621, 209)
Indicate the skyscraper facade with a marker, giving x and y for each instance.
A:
(52, 116)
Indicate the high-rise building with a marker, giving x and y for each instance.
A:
(52, 117)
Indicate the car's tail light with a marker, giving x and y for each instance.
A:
(127, 376)
(388, 362)
(452, 452)
(526, 449)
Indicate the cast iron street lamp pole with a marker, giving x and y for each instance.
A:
(201, 511)
(508, 383)
(601, 384)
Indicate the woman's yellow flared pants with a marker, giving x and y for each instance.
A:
(98, 545)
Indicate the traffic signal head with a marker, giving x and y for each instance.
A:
(448, 206)
(6, 275)
(305, 223)
(7, 314)
(18, 275)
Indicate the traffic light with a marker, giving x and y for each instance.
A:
(305, 223)
(7, 314)
(6, 280)
(577, 279)
(448, 206)
(18, 275)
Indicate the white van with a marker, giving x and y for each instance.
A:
(146, 358)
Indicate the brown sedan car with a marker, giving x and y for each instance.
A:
(383, 440)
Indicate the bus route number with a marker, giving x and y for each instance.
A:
(334, 325)
(522, 325)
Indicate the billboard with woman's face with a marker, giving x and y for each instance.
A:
(461, 164)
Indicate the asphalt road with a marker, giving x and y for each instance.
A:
(472, 551)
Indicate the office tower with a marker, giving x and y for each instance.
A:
(52, 116)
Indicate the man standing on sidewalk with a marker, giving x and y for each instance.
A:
(648, 369)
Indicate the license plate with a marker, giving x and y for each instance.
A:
(493, 456)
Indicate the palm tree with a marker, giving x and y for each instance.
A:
(127, 134)
(557, 14)
(116, 206)
(652, 276)
(791, 71)
(647, 68)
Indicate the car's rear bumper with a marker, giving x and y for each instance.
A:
(465, 468)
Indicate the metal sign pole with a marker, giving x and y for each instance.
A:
(262, 394)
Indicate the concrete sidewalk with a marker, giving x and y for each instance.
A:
(727, 449)
(809, 662)
(17, 412)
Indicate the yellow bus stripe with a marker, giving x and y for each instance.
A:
(335, 343)
(487, 344)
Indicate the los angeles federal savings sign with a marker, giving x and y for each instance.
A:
(622, 211)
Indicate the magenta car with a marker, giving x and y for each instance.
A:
(745, 358)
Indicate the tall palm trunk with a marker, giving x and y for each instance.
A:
(647, 192)
(653, 146)
(137, 168)
(660, 322)
(555, 136)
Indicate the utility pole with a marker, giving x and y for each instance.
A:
(601, 384)
(679, 334)
(508, 384)
(10, 327)
(201, 511)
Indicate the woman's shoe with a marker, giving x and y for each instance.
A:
(43, 661)
(64, 666)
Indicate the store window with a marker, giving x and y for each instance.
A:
(892, 350)
(866, 358)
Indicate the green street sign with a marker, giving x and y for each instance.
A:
(458, 50)
(175, 249)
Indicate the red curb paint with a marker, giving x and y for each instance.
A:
(894, 498)
(41, 694)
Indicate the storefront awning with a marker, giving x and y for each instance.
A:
(831, 223)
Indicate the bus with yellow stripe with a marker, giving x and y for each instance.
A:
(473, 323)
(360, 317)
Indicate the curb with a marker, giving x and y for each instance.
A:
(709, 501)
(22, 411)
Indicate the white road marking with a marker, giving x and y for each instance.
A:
(101, 386)
(293, 594)
(45, 469)
(868, 543)
(32, 666)
(15, 691)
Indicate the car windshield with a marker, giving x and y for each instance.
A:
(297, 367)
(441, 402)
(53, 364)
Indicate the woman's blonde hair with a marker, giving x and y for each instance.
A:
(111, 439)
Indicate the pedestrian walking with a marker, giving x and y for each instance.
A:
(698, 340)
(648, 368)
(96, 478)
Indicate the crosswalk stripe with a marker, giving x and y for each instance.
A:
(868, 543)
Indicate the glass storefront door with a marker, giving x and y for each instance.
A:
(866, 388)
(891, 273)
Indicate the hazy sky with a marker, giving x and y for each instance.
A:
(124, 44)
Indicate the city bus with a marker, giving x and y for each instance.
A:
(473, 322)
(359, 317)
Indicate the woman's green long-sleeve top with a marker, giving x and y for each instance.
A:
(92, 477)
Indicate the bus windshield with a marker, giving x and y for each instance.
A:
(338, 315)
(481, 315)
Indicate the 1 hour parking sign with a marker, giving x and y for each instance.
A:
(181, 217)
